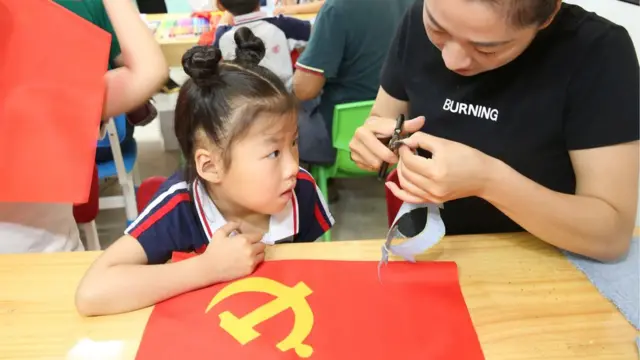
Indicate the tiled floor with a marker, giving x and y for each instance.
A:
(360, 212)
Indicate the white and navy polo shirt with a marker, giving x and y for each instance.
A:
(182, 218)
(280, 34)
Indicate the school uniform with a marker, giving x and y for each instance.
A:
(183, 218)
(575, 87)
(280, 35)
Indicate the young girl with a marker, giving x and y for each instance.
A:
(242, 188)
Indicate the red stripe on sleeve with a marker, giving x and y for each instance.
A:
(294, 201)
(320, 218)
(158, 214)
(201, 249)
(303, 175)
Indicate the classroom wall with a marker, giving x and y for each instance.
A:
(625, 14)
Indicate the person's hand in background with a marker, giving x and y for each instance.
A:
(226, 19)
(285, 10)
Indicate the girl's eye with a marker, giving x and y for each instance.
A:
(274, 154)
(295, 142)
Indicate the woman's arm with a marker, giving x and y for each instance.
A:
(144, 69)
(120, 280)
(597, 221)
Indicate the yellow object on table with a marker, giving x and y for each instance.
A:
(174, 47)
(526, 301)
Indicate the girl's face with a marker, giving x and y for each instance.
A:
(264, 164)
(474, 36)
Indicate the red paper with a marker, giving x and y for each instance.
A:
(51, 95)
(417, 312)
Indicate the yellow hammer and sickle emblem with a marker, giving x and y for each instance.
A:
(242, 329)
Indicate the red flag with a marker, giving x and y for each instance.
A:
(51, 95)
(325, 310)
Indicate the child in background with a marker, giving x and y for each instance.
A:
(299, 7)
(281, 35)
(242, 188)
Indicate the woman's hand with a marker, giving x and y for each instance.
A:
(367, 151)
(454, 171)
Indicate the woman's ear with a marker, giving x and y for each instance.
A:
(209, 165)
(550, 19)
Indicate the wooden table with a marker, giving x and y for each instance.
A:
(174, 48)
(526, 301)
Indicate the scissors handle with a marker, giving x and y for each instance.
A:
(384, 167)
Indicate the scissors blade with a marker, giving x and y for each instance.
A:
(384, 260)
(393, 144)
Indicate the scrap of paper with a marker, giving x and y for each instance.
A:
(324, 310)
(420, 225)
(86, 349)
(51, 95)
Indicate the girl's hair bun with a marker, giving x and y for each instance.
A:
(201, 64)
(249, 48)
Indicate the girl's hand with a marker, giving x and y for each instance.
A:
(231, 257)
(454, 171)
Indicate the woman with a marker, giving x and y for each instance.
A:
(44, 227)
(525, 116)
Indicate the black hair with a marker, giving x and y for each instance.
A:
(523, 13)
(240, 7)
(222, 99)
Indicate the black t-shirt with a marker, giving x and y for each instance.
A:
(575, 87)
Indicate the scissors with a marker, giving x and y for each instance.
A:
(393, 145)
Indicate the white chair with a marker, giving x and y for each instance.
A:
(124, 166)
(90, 232)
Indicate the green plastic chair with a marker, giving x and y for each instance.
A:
(346, 119)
